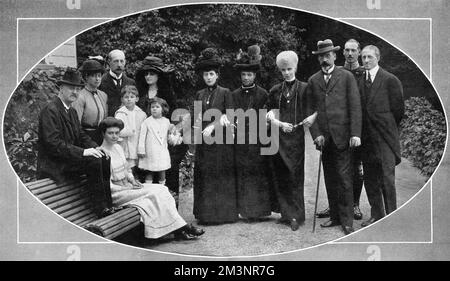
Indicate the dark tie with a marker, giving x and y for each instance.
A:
(368, 80)
(117, 81)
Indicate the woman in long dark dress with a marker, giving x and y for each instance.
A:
(288, 164)
(253, 186)
(214, 171)
(152, 80)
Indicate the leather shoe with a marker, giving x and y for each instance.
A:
(183, 235)
(196, 231)
(329, 223)
(357, 215)
(368, 222)
(347, 229)
(324, 213)
(294, 225)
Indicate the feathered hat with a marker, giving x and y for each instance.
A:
(249, 61)
(208, 59)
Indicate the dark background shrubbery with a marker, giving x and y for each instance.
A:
(178, 34)
(422, 134)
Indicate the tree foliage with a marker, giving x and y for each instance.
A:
(422, 134)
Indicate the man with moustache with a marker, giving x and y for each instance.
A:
(65, 151)
(383, 109)
(351, 52)
(114, 80)
(333, 93)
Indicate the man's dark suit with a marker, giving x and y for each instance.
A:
(113, 91)
(60, 152)
(339, 118)
(383, 109)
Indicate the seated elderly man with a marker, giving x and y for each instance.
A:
(66, 151)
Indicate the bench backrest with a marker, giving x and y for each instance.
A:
(69, 199)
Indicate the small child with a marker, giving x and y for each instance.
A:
(156, 133)
(132, 117)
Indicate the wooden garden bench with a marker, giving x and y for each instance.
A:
(71, 200)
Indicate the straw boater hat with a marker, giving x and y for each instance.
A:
(208, 59)
(151, 63)
(325, 46)
(249, 61)
(71, 77)
(91, 66)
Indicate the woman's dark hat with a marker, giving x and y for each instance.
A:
(155, 64)
(325, 46)
(208, 59)
(71, 77)
(91, 66)
(249, 61)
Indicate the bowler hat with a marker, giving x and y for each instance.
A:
(249, 61)
(325, 46)
(155, 64)
(91, 66)
(208, 59)
(71, 77)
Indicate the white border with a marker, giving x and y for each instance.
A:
(291, 8)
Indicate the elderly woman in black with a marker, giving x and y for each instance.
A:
(214, 171)
(152, 80)
(289, 99)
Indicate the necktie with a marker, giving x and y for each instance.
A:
(117, 81)
(368, 80)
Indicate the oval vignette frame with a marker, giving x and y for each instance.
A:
(296, 10)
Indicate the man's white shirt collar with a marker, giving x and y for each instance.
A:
(373, 72)
(65, 105)
(330, 70)
(114, 75)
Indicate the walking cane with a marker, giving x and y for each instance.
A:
(317, 190)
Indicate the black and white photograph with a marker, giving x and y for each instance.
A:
(224, 131)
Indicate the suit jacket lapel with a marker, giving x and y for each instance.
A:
(376, 85)
(333, 80)
(321, 81)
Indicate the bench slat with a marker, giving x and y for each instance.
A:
(52, 189)
(114, 216)
(62, 195)
(67, 200)
(121, 225)
(73, 207)
(120, 219)
(38, 183)
(81, 214)
(122, 230)
(85, 219)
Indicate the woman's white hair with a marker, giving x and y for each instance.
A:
(287, 58)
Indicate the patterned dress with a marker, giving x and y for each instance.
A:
(153, 201)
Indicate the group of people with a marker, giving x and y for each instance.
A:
(118, 132)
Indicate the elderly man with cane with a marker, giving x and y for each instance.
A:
(333, 93)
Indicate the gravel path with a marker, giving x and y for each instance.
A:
(268, 237)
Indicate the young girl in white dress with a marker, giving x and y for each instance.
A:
(156, 133)
(153, 201)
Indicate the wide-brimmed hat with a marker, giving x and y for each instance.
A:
(325, 46)
(151, 63)
(91, 66)
(249, 61)
(71, 77)
(208, 59)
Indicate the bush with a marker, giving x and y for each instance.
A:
(423, 134)
(22, 120)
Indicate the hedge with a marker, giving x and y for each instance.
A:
(422, 134)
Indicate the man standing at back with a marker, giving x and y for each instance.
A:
(333, 93)
(383, 109)
(114, 80)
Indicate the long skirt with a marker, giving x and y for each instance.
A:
(155, 205)
(215, 198)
